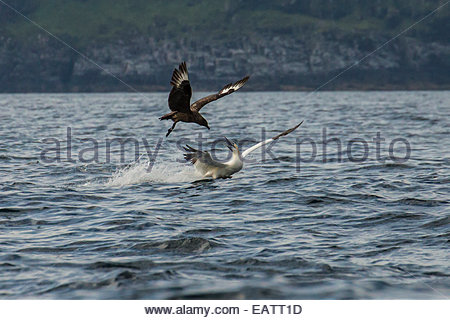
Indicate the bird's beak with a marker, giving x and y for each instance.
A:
(229, 144)
(208, 127)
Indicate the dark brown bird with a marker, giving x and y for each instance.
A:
(180, 99)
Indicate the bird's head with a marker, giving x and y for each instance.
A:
(203, 122)
(232, 146)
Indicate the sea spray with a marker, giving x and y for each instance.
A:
(162, 172)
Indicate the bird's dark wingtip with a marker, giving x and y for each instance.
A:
(298, 125)
(240, 83)
(287, 131)
(191, 154)
(188, 148)
(190, 157)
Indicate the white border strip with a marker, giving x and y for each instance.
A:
(255, 309)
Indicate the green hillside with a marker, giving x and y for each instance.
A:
(83, 21)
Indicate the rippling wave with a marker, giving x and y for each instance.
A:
(279, 229)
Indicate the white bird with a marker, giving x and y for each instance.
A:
(208, 167)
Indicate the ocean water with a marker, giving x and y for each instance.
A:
(372, 223)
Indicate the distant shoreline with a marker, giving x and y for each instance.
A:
(366, 88)
(284, 46)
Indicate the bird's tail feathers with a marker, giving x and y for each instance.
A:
(168, 116)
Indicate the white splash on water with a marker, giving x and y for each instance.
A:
(165, 172)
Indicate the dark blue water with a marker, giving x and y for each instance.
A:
(283, 227)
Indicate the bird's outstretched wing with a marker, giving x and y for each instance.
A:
(201, 160)
(180, 95)
(260, 144)
(228, 89)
